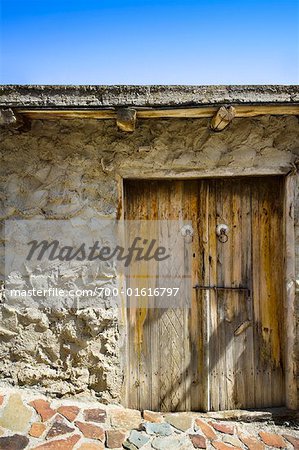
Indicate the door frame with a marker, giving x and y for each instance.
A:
(291, 185)
(290, 189)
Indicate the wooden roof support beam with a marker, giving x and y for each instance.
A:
(126, 119)
(152, 113)
(222, 118)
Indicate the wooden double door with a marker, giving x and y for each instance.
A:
(225, 352)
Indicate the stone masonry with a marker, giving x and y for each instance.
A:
(29, 420)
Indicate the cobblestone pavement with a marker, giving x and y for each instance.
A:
(29, 420)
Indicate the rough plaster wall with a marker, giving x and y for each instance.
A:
(64, 169)
(174, 147)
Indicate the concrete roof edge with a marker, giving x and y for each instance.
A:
(154, 96)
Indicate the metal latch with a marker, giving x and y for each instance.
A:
(223, 288)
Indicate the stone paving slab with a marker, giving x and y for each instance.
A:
(29, 420)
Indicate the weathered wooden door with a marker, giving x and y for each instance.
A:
(224, 352)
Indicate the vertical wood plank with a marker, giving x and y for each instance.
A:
(211, 304)
(202, 324)
(277, 396)
(245, 357)
(255, 237)
(268, 299)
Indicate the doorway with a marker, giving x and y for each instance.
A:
(225, 352)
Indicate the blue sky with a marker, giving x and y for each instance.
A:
(149, 42)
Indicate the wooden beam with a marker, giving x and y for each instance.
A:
(222, 118)
(150, 113)
(126, 119)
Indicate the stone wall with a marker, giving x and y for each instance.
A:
(68, 169)
(43, 423)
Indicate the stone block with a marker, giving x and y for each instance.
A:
(60, 444)
(92, 446)
(232, 440)
(13, 421)
(95, 415)
(138, 438)
(180, 421)
(251, 442)
(115, 438)
(223, 427)
(151, 416)
(58, 428)
(69, 412)
(42, 407)
(91, 431)
(293, 440)
(158, 429)
(37, 429)
(272, 439)
(222, 446)
(172, 443)
(198, 441)
(15, 442)
(127, 419)
(129, 446)
(206, 429)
